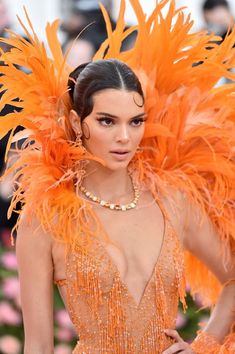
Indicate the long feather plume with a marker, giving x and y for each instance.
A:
(189, 138)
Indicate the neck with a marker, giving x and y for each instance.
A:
(112, 186)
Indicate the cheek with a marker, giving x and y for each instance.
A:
(138, 136)
(98, 141)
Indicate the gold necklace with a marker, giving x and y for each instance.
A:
(113, 206)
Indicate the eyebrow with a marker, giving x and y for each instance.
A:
(108, 115)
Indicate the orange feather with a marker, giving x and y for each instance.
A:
(189, 141)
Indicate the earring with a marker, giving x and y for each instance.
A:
(139, 149)
(79, 139)
(79, 142)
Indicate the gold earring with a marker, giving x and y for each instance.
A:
(79, 142)
(79, 139)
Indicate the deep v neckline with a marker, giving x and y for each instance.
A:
(116, 271)
(123, 283)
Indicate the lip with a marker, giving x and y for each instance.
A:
(119, 151)
(120, 155)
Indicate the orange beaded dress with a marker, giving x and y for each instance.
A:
(188, 145)
(105, 314)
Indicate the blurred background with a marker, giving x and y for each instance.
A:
(75, 15)
(43, 11)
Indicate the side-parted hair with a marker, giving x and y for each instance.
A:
(90, 78)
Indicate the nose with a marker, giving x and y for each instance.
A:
(123, 135)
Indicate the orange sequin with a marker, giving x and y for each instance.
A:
(207, 344)
(188, 146)
(189, 137)
(104, 313)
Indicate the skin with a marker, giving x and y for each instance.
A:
(139, 244)
(220, 16)
(4, 17)
(79, 51)
(120, 126)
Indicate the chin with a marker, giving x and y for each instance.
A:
(117, 166)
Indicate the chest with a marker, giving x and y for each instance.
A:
(135, 238)
(141, 244)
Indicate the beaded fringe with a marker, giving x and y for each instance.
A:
(207, 344)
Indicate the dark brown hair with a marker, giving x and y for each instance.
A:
(89, 78)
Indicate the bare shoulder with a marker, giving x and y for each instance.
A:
(31, 238)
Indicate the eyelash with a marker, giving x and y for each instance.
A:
(103, 121)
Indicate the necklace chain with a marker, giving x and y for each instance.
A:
(113, 206)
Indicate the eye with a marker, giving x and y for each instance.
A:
(106, 122)
(137, 122)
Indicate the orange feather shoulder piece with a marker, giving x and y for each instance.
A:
(50, 160)
(179, 71)
(189, 140)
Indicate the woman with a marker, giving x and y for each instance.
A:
(106, 217)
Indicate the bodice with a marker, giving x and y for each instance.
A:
(106, 316)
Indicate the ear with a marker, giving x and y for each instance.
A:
(75, 122)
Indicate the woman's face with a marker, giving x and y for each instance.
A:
(115, 127)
